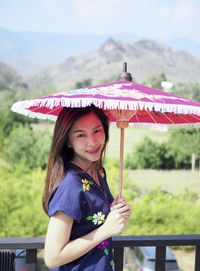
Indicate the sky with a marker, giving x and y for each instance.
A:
(157, 19)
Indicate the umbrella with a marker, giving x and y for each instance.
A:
(124, 102)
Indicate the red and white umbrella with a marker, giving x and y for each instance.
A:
(124, 102)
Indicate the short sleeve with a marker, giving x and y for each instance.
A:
(67, 198)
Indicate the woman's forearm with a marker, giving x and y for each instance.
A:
(77, 248)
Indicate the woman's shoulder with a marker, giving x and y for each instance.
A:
(71, 179)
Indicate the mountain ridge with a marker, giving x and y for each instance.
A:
(29, 52)
(145, 59)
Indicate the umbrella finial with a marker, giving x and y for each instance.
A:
(125, 75)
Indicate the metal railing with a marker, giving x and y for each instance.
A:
(119, 242)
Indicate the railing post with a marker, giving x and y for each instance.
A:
(31, 259)
(118, 258)
(160, 258)
(197, 259)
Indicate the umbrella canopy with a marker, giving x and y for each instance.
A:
(141, 103)
(124, 102)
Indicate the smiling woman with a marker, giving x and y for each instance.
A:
(83, 214)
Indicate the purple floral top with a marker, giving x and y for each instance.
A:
(79, 197)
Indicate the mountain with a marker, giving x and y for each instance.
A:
(145, 58)
(9, 77)
(29, 52)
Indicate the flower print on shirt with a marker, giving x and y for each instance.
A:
(97, 218)
(104, 246)
(86, 184)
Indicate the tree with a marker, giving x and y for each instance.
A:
(189, 90)
(147, 154)
(27, 146)
(20, 206)
(182, 144)
(155, 81)
(84, 83)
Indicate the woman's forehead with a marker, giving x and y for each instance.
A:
(89, 121)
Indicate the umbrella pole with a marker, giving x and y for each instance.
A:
(121, 162)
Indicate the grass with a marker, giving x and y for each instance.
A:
(132, 136)
(172, 181)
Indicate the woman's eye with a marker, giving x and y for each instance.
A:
(97, 131)
(80, 135)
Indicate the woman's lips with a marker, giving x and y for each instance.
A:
(93, 152)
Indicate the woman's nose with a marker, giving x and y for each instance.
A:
(92, 140)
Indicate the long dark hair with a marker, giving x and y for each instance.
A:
(60, 154)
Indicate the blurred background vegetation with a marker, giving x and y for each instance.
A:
(158, 181)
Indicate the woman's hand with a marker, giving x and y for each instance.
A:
(117, 218)
(121, 204)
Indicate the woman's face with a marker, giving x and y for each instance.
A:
(87, 138)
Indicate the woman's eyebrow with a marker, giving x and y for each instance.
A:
(78, 131)
(99, 126)
(81, 130)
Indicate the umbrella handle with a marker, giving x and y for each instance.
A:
(121, 162)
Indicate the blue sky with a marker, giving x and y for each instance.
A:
(158, 19)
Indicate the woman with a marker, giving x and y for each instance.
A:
(83, 214)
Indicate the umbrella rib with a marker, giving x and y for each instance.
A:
(168, 118)
(136, 118)
(151, 116)
(194, 116)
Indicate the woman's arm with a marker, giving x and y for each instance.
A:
(59, 250)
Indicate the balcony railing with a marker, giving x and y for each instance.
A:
(119, 242)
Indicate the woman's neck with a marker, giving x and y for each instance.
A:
(89, 168)
(84, 165)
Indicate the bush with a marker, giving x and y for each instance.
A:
(148, 154)
(176, 153)
(27, 146)
(130, 189)
(161, 213)
(20, 206)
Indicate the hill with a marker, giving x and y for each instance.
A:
(30, 52)
(9, 77)
(145, 58)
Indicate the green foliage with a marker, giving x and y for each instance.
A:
(149, 154)
(8, 77)
(175, 153)
(9, 120)
(190, 90)
(20, 206)
(155, 212)
(155, 81)
(130, 189)
(181, 144)
(27, 146)
(158, 212)
(112, 78)
(84, 83)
